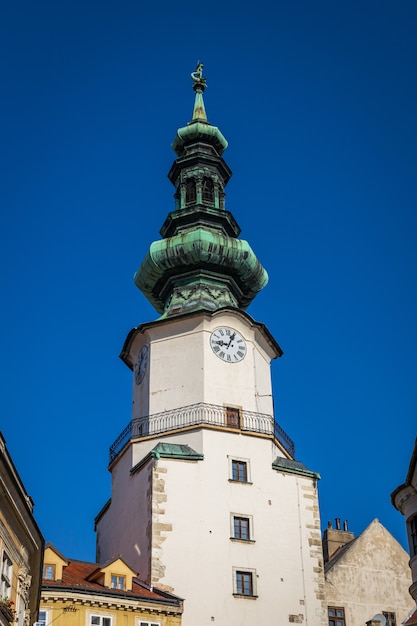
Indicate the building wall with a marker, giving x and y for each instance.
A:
(177, 514)
(77, 610)
(195, 525)
(192, 553)
(404, 498)
(371, 576)
(185, 371)
(21, 544)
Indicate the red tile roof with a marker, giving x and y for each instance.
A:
(412, 619)
(75, 576)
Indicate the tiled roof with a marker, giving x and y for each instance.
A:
(75, 577)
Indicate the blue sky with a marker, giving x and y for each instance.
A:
(317, 101)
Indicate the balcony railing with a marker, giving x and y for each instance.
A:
(200, 414)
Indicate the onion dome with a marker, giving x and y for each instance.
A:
(200, 264)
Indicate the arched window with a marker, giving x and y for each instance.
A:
(208, 190)
(190, 191)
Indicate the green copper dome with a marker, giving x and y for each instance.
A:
(199, 131)
(200, 264)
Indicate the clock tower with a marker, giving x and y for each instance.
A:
(207, 498)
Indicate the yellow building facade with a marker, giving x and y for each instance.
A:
(79, 593)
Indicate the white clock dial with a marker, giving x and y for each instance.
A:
(141, 364)
(228, 344)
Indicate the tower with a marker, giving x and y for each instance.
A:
(207, 499)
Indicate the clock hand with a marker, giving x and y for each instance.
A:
(231, 339)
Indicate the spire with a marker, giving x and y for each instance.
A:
(199, 129)
(199, 112)
(199, 264)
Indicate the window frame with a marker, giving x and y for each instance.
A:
(233, 417)
(101, 616)
(46, 566)
(236, 536)
(190, 191)
(238, 461)
(147, 623)
(207, 190)
(390, 617)
(42, 622)
(6, 575)
(336, 618)
(239, 582)
(412, 535)
(118, 578)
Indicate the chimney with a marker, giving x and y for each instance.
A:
(335, 538)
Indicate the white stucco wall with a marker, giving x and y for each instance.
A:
(198, 554)
(178, 517)
(192, 553)
(185, 371)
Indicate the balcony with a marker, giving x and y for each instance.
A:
(199, 415)
(7, 614)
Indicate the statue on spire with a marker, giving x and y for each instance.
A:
(197, 76)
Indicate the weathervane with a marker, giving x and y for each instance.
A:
(199, 80)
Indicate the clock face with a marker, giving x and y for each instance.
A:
(228, 344)
(141, 364)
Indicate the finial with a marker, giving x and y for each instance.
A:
(199, 112)
(197, 76)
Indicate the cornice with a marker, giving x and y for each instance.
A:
(94, 598)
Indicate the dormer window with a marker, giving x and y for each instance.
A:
(190, 191)
(118, 582)
(48, 571)
(208, 190)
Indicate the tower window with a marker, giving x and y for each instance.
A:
(208, 190)
(232, 417)
(240, 471)
(244, 583)
(241, 528)
(190, 191)
(336, 616)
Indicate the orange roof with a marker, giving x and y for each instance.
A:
(76, 573)
(412, 619)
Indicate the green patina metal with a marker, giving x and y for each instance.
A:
(290, 466)
(200, 263)
(181, 452)
(197, 131)
(200, 249)
(176, 451)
